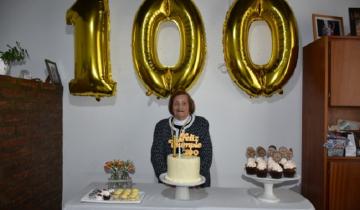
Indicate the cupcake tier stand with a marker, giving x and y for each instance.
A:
(181, 190)
(268, 194)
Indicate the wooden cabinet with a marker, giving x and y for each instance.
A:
(331, 91)
(344, 179)
(344, 72)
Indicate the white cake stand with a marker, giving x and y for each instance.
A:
(182, 190)
(268, 194)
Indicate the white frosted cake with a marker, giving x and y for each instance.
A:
(184, 169)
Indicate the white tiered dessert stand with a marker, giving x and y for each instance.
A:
(181, 190)
(268, 194)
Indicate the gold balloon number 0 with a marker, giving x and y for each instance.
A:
(159, 79)
(92, 57)
(269, 78)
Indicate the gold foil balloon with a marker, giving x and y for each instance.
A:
(92, 55)
(269, 78)
(159, 79)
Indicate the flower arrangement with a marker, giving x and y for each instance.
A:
(14, 54)
(119, 169)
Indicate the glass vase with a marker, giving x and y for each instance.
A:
(8, 69)
(119, 180)
(125, 176)
(4, 68)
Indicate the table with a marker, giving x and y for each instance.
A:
(161, 197)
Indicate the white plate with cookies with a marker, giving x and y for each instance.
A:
(126, 195)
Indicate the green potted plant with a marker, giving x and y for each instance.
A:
(14, 55)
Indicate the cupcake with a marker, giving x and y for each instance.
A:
(259, 159)
(270, 163)
(282, 162)
(289, 169)
(276, 171)
(261, 170)
(99, 197)
(106, 194)
(250, 166)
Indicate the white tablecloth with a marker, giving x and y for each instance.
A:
(160, 197)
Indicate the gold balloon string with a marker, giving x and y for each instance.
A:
(167, 79)
(167, 8)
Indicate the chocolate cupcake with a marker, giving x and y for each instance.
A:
(289, 169)
(250, 166)
(276, 171)
(106, 195)
(282, 162)
(261, 170)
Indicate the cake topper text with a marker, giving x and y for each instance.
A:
(188, 142)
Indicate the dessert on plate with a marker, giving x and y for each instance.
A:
(261, 169)
(250, 166)
(276, 171)
(289, 169)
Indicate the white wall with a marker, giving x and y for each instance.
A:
(122, 126)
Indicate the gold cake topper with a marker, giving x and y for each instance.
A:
(188, 142)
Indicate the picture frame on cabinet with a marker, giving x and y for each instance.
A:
(53, 72)
(354, 15)
(325, 25)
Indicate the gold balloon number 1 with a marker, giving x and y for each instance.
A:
(256, 79)
(92, 58)
(159, 79)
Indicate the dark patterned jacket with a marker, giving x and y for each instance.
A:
(198, 126)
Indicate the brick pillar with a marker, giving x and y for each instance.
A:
(30, 144)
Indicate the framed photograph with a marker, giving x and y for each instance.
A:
(324, 25)
(52, 69)
(354, 14)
